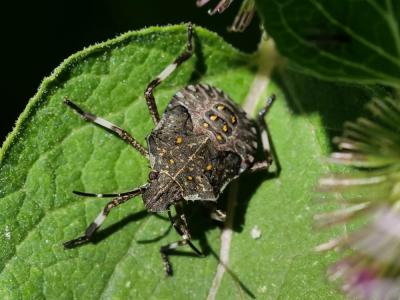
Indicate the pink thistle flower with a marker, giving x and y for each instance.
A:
(372, 270)
(243, 17)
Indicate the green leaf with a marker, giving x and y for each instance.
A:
(351, 41)
(52, 152)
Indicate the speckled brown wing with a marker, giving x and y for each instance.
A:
(189, 158)
(214, 114)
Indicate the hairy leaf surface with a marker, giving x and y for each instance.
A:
(52, 152)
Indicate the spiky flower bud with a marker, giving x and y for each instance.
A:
(243, 17)
(372, 145)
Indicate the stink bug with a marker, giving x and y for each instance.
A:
(202, 142)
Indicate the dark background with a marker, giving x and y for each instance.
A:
(38, 35)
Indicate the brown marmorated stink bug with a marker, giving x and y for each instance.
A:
(202, 142)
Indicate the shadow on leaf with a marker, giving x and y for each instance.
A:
(334, 102)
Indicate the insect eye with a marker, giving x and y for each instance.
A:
(153, 175)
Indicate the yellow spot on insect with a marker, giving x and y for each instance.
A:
(213, 117)
(205, 125)
(190, 178)
(219, 137)
(233, 119)
(209, 167)
(171, 161)
(220, 107)
(179, 140)
(225, 128)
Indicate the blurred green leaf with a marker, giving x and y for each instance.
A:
(52, 152)
(351, 41)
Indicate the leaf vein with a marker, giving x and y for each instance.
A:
(359, 38)
(332, 57)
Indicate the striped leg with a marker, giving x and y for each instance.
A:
(148, 94)
(94, 226)
(268, 147)
(107, 125)
(84, 194)
(164, 250)
(180, 225)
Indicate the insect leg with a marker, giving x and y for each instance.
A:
(107, 125)
(100, 219)
(268, 146)
(84, 194)
(164, 251)
(180, 225)
(148, 94)
(218, 215)
(214, 213)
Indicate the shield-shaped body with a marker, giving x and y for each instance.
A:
(202, 142)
